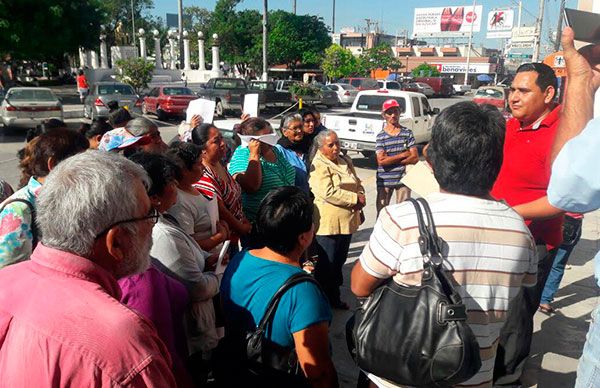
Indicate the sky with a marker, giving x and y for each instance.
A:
(394, 16)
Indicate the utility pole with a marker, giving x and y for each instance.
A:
(180, 22)
(520, 12)
(538, 33)
(470, 42)
(559, 26)
(264, 48)
(333, 19)
(294, 7)
(133, 26)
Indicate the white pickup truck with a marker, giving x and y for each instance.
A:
(358, 129)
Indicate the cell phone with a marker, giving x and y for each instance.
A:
(586, 25)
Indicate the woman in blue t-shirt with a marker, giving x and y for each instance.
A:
(301, 321)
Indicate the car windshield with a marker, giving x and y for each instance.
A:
(115, 89)
(393, 85)
(347, 87)
(230, 84)
(489, 93)
(368, 83)
(286, 85)
(374, 103)
(177, 92)
(30, 95)
(261, 86)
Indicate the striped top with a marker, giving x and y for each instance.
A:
(226, 190)
(490, 255)
(277, 174)
(389, 176)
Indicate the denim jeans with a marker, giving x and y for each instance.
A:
(333, 251)
(588, 371)
(571, 236)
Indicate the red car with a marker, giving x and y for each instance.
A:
(168, 101)
(493, 95)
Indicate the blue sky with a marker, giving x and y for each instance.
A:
(393, 15)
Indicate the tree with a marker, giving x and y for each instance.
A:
(425, 70)
(379, 57)
(339, 62)
(47, 29)
(136, 72)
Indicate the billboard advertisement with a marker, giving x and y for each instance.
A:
(446, 22)
(500, 23)
(474, 68)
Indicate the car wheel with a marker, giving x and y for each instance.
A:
(219, 109)
(144, 109)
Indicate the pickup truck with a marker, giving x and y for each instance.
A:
(284, 86)
(461, 89)
(228, 93)
(268, 95)
(358, 129)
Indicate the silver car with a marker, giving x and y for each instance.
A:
(101, 93)
(28, 107)
(346, 93)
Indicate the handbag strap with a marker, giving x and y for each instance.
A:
(274, 302)
(429, 242)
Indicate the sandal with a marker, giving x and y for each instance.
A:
(546, 309)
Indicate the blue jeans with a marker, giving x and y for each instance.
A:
(571, 236)
(588, 371)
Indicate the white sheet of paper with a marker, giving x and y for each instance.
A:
(270, 139)
(419, 178)
(251, 104)
(202, 107)
(220, 266)
(213, 212)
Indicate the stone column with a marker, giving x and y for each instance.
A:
(172, 34)
(201, 64)
(186, 51)
(141, 33)
(94, 59)
(82, 58)
(157, 50)
(103, 52)
(215, 54)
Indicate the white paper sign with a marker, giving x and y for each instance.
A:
(251, 104)
(220, 266)
(270, 139)
(203, 107)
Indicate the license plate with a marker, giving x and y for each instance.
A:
(350, 145)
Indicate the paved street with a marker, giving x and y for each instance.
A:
(558, 340)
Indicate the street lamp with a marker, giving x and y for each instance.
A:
(264, 49)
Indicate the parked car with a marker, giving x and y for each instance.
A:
(442, 86)
(269, 96)
(284, 86)
(95, 104)
(419, 87)
(346, 93)
(493, 95)
(27, 107)
(328, 96)
(227, 93)
(387, 84)
(167, 101)
(361, 83)
(461, 89)
(358, 129)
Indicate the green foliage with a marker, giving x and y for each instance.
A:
(300, 89)
(136, 72)
(425, 70)
(116, 11)
(47, 29)
(378, 57)
(339, 62)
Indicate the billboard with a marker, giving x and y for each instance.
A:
(460, 67)
(500, 23)
(444, 22)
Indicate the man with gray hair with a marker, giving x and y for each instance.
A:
(61, 321)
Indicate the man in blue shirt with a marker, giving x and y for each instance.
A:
(575, 182)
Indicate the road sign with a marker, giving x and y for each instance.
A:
(521, 45)
(519, 56)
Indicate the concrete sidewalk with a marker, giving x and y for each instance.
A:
(558, 339)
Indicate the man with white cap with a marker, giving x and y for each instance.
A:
(139, 134)
(395, 148)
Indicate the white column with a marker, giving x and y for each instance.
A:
(142, 43)
(215, 55)
(103, 52)
(82, 58)
(186, 51)
(201, 64)
(94, 59)
(172, 35)
(157, 50)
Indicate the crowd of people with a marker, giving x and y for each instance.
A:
(129, 261)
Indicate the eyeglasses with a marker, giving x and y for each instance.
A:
(152, 215)
(296, 128)
(390, 112)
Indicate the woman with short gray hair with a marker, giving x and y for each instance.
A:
(295, 147)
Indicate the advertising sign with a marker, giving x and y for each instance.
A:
(446, 21)
(474, 68)
(523, 34)
(521, 45)
(500, 23)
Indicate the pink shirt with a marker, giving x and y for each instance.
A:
(61, 324)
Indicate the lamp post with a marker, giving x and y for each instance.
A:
(186, 51)
(264, 48)
(470, 42)
(142, 37)
(157, 51)
(201, 64)
(172, 36)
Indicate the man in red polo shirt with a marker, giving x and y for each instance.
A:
(523, 178)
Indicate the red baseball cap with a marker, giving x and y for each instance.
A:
(388, 104)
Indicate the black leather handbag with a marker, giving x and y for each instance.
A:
(416, 335)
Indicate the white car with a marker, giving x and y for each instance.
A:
(346, 93)
(389, 84)
(26, 107)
